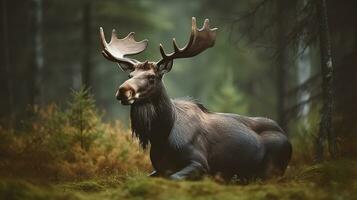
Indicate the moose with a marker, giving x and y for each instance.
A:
(186, 139)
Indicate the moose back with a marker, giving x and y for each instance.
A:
(186, 139)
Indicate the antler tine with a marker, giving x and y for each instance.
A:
(200, 40)
(162, 51)
(176, 48)
(102, 38)
(206, 24)
(193, 32)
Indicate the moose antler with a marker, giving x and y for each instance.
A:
(200, 40)
(117, 49)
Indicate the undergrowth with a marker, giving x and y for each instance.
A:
(69, 143)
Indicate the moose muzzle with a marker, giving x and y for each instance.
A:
(125, 94)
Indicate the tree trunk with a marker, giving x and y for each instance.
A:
(282, 61)
(87, 45)
(326, 130)
(37, 66)
(304, 73)
(7, 69)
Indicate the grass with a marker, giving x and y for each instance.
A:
(331, 180)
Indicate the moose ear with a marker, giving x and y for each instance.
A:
(126, 67)
(165, 67)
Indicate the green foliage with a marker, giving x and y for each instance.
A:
(227, 98)
(82, 115)
(303, 134)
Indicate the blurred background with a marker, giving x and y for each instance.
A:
(292, 61)
(53, 46)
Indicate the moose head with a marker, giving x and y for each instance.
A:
(145, 78)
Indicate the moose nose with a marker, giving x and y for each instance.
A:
(125, 93)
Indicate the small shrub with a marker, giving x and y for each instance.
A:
(69, 144)
(84, 117)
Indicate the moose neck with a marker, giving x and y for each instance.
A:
(152, 120)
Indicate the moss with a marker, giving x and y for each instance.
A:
(145, 187)
(149, 188)
(85, 186)
(20, 190)
(341, 172)
(307, 184)
(138, 186)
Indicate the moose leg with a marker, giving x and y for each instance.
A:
(191, 171)
(278, 153)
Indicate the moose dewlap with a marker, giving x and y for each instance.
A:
(186, 139)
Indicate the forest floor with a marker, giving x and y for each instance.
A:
(330, 180)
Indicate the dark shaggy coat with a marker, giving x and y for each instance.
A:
(188, 140)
